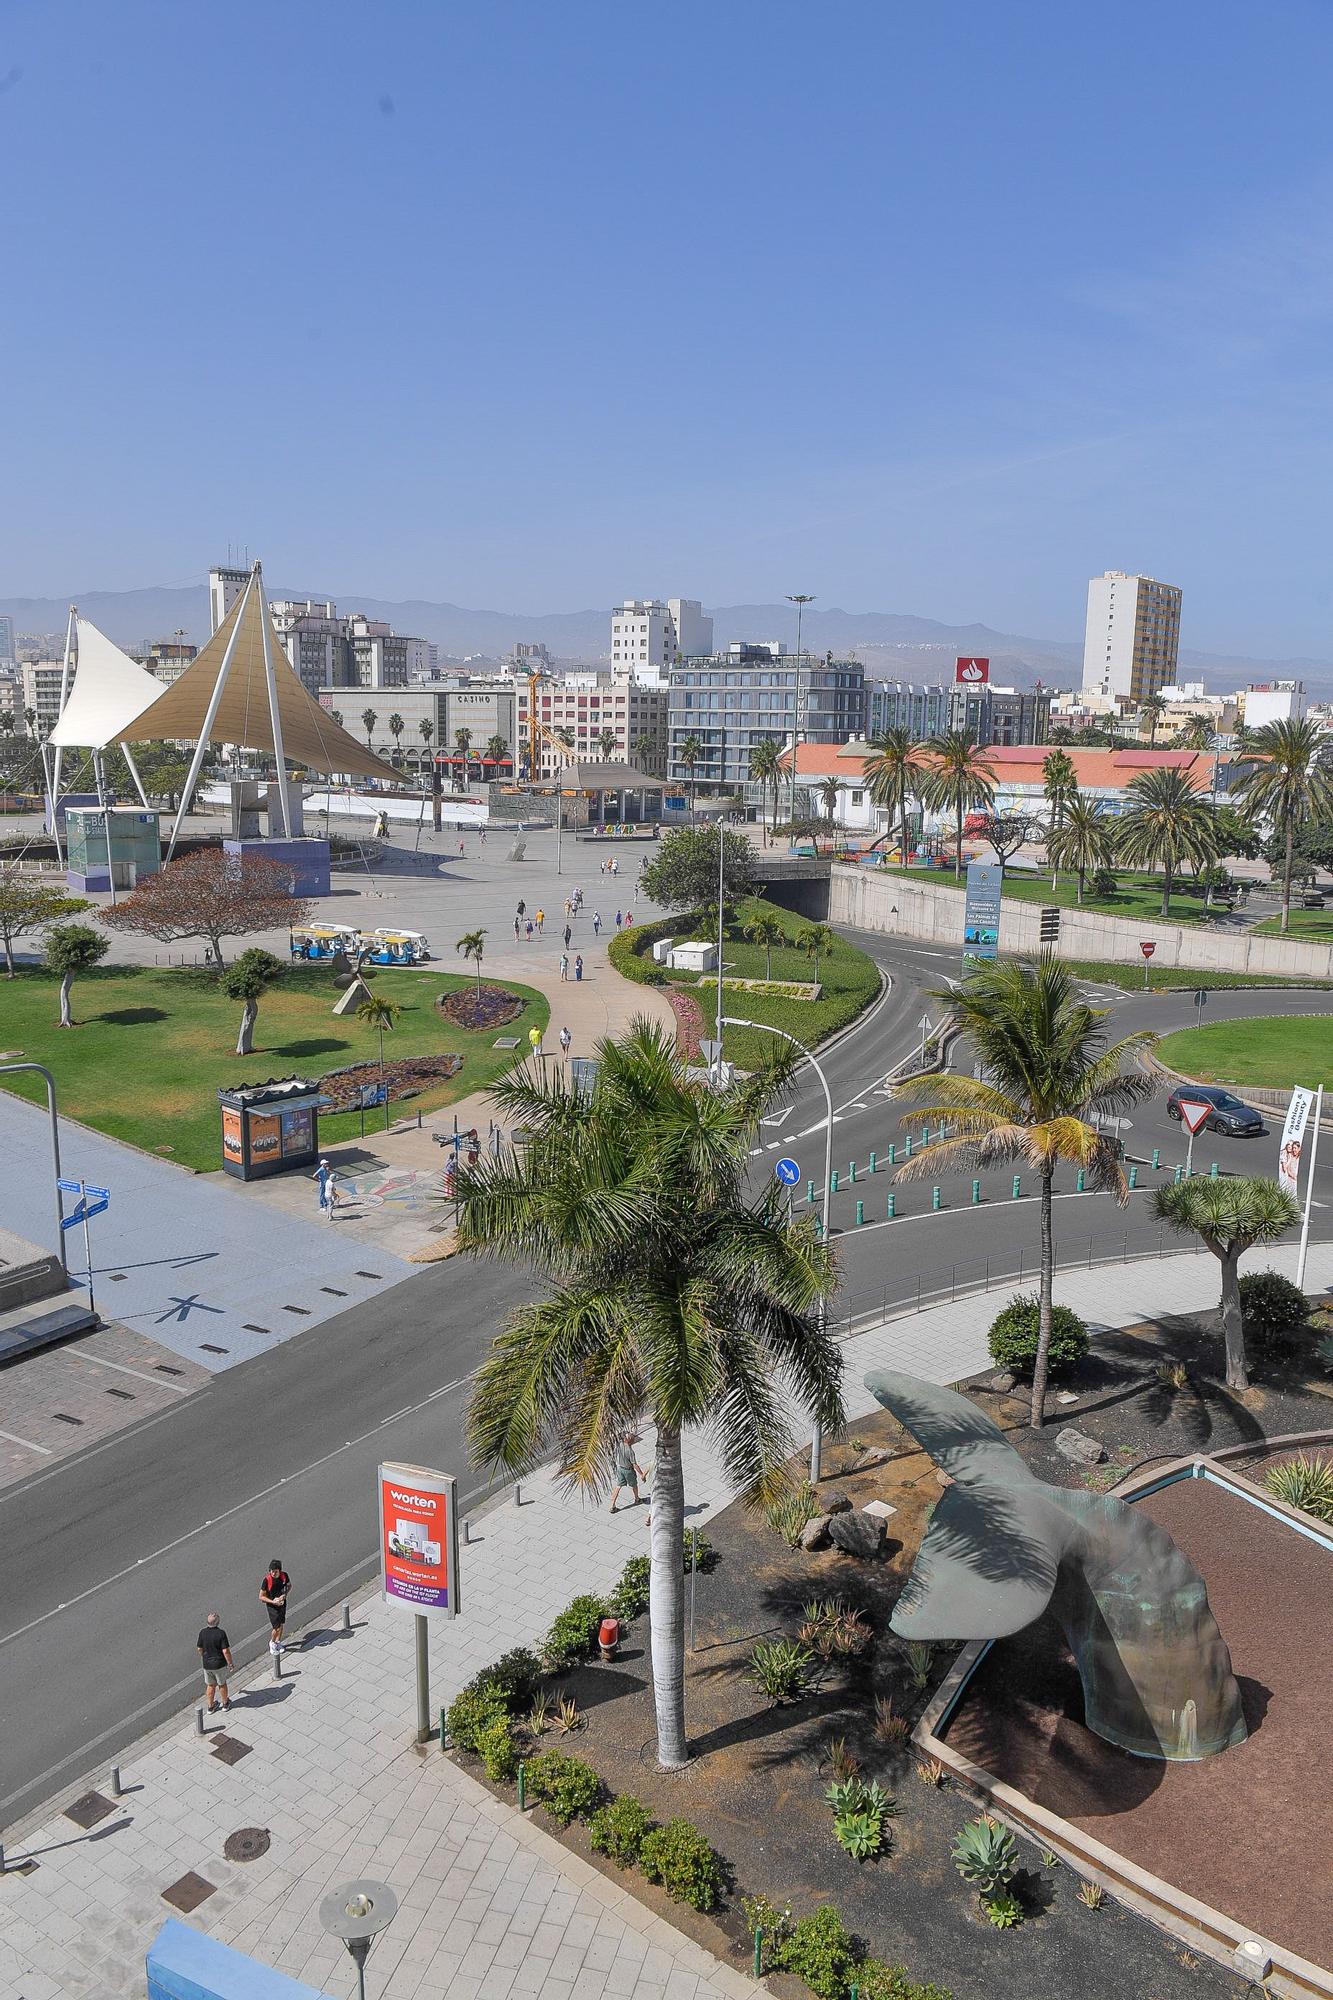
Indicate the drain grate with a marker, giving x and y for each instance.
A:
(207, 1347)
(86, 1812)
(304, 1311)
(115, 1277)
(333, 1291)
(122, 1395)
(61, 1418)
(188, 1893)
(229, 1750)
(165, 1368)
(246, 1844)
(369, 1274)
(505, 1042)
(249, 1327)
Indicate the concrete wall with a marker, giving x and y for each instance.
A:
(901, 906)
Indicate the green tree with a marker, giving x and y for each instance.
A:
(496, 750)
(337, 716)
(27, 906)
(1196, 734)
(830, 791)
(891, 776)
(675, 1294)
(1082, 842)
(606, 741)
(248, 981)
(764, 930)
(396, 728)
(1047, 1074)
(1230, 1216)
(426, 729)
(1239, 838)
(1168, 825)
(379, 1014)
(30, 720)
(1151, 710)
(368, 721)
(1060, 785)
(643, 750)
(68, 950)
(1290, 787)
(690, 754)
(766, 772)
(816, 941)
(682, 874)
(472, 944)
(957, 780)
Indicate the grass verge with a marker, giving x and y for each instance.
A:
(1165, 978)
(1272, 1053)
(1135, 895)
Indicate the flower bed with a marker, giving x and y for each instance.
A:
(491, 1007)
(405, 1077)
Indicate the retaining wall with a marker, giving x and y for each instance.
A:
(900, 906)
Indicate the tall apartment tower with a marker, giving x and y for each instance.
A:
(647, 632)
(224, 587)
(1132, 638)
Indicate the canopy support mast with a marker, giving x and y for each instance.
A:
(201, 746)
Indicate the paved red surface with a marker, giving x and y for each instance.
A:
(1250, 1831)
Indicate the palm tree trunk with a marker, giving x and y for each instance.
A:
(245, 1039)
(1080, 888)
(1042, 1363)
(1286, 875)
(958, 849)
(1167, 874)
(1233, 1324)
(66, 1018)
(666, 1599)
(9, 957)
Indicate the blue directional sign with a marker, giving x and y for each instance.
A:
(788, 1172)
(93, 1201)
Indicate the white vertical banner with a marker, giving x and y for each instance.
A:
(1293, 1135)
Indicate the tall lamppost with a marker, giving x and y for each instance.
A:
(357, 1912)
(800, 599)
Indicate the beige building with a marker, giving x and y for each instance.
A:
(588, 704)
(1131, 640)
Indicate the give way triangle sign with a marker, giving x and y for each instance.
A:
(1193, 1114)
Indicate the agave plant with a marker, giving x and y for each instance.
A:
(985, 1855)
(782, 1670)
(1004, 1911)
(842, 1762)
(860, 1834)
(931, 1772)
(920, 1659)
(1304, 1482)
(1091, 1895)
(890, 1727)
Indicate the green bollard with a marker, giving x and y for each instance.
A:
(1179, 1174)
(758, 1952)
(925, 1136)
(1212, 1171)
(833, 1183)
(872, 1163)
(934, 1198)
(1018, 1186)
(1156, 1158)
(444, 1729)
(907, 1147)
(1133, 1179)
(810, 1193)
(976, 1192)
(892, 1206)
(851, 1174)
(891, 1154)
(1078, 1184)
(860, 1211)
(522, 1788)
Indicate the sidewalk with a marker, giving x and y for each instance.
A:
(490, 1905)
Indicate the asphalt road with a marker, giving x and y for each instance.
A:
(114, 1555)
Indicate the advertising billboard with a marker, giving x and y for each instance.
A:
(971, 672)
(418, 1534)
(981, 910)
(1293, 1139)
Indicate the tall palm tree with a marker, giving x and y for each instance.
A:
(690, 754)
(472, 944)
(368, 721)
(1231, 1216)
(816, 941)
(463, 745)
(496, 750)
(766, 771)
(830, 791)
(606, 742)
(1082, 842)
(30, 720)
(396, 728)
(891, 776)
(675, 1294)
(1151, 710)
(1289, 787)
(1168, 824)
(1046, 1074)
(426, 729)
(958, 779)
(764, 930)
(1197, 734)
(1060, 786)
(378, 1013)
(643, 750)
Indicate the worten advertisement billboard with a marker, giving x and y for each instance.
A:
(418, 1539)
(971, 672)
(1293, 1139)
(981, 910)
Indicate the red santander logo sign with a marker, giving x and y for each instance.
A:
(971, 672)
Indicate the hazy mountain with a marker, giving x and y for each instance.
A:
(892, 644)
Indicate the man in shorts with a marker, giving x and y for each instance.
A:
(214, 1650)
(273, 1596)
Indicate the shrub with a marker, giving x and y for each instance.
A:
(877, 1981)
(1104, 882)
(629, 1599)
(1004, 1911)
(618, 1830)
(1304, 1482)
(699, 1549)
(516, 1677)
(822, 1952)
(771, 1925)
(788, 1511)
(631, 952)
(472, 1712)
(985, 1855)
(1013, 1336)
(860, 1834)
(781, 1670)
(678, 1856)
(573, 1634)
(834, 1629)
(498, 1750)
(566, 1786)
(1272, 1308)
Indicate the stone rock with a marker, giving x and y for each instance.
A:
(1002, 1381)
(814, 1535)
(858, 1534)
(1078, 1448)
(875, 1454)
(836, 1503)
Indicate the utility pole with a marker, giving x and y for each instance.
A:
(800, 599)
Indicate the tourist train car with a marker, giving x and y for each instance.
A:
(395, 947)
(324, 941)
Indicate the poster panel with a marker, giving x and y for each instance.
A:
(231, 1135)
(981, 910)
(265, 1136)
(1293, 1138)
(418, 1536)
(298, 1132)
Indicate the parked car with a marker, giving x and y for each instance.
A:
(1230, 1114)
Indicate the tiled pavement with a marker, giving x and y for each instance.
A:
(71, 1396)
(491, 1905)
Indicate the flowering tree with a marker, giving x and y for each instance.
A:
(212, 895)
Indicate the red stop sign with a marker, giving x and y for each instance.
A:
(1147, 947)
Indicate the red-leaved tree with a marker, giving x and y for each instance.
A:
(211, 895)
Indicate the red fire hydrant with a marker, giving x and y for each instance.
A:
(608, 1638)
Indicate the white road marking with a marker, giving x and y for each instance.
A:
(100, 1361)
(27, 1444)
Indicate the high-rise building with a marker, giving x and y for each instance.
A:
(224, 587)
(646, 632)
(8, 641)
(1132, 638)
(588, 706)
(731, 701)
(324, 649)
(990, 714)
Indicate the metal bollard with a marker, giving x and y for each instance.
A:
(907, 1147)
(758, 1947)
(892, 1206)
(1133, 1179)
(925, 1136)
(851, 1174)
(934, 1198)
(1179, 1173)
(860, 1211)
(2, 1870)
(891, 1154)
(522, 1787)
(873, 1163)
(810, 1193)
(1156, 1157)
(976, 1192)
(467, 1530)
(1078, 1184)
(117, 1789)
(444, 1729)
(833, 1182)
(347, 1618)
(1212, 1171)
(1018, 1186)
(199, 1720)
(518, 1494)
(277, 1665)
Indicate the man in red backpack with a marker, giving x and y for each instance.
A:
(273, 1596)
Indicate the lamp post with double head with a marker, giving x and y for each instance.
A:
(800, 599)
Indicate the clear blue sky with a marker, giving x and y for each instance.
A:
(932, 309)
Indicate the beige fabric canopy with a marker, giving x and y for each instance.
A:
(309, 734)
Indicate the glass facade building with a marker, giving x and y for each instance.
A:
(731, 701)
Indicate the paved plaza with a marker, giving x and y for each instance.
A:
(491, 1905)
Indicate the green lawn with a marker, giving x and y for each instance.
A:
(1272, 1053)
(1311, 926)
(152, 1046)
(1136, 895)
(1108, 972)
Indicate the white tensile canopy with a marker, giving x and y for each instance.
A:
(109, 692)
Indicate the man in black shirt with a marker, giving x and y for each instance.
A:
(214, 1650)
(273, 1596)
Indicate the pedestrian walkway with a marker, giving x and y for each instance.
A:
(490, 1905)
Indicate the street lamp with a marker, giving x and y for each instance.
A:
(730, 1021)
(800, 599)
(357, 1912)
(45, 1073)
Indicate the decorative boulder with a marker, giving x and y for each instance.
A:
(858, 1534)
(1078, 1448)
(814, 1535)
(1002, 1381)
(836, 1503)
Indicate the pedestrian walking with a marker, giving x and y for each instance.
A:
(324, 1175)
(569, 908)
(617, 920)
(273, 1596)
(568, 935)
(214, 1650)
(628, 1472)
(517, 928)
(541, 919)
(597, 923)
(528, 928)
(615, 865)
(522, 907)
(481, 835)
(564, 965)
(460, 848)
(565, 1039)
(578, 967)
(629, 918)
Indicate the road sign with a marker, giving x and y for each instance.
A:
(1147, 947)
(1194, 1114)
(788, 1173)
(710, 1051)
(83, 1212)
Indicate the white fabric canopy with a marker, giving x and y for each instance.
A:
(108, 694)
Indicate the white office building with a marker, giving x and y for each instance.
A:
(225, 586)
(652, 633)
(1273, 701)
(1132, 638)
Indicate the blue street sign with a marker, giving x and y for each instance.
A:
(787, 1172)
(82, 1214)
(80, 1187)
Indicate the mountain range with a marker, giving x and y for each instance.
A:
(893, 645)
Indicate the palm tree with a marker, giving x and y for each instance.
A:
(1046, 1074)
(1060, 786)
(766, 771)
(496, 750)
(830, 791)
(30, 720)
(891, 775)
(1197, 734)
(1151, 710)
(396, 727)
(368, 721)
(566, 735)
(643, 750)
(381, 1014)
(7, 723)
(1289, 787)
(248, 981)
(1082, 842)
(764, 930)
(958, 779)
(70, 949)
(336, 715)
(426, 729)
(1231, 1216)
(606, 742)
(1168, 823)
(472, 944)
(816, 941)
(463, 745)
(689, 754)
(675, 1295)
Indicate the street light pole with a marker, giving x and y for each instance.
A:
(729, 1021)
(41, 1070)
(800, 599)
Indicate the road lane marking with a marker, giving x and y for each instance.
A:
(153, 1381)
(27, 1444)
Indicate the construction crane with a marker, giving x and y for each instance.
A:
(538, 733)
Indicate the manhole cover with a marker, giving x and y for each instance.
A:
(246, 1844)
(188, 1893)
(88, 1810)
(229, 1748)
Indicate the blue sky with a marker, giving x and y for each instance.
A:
(936, 309)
